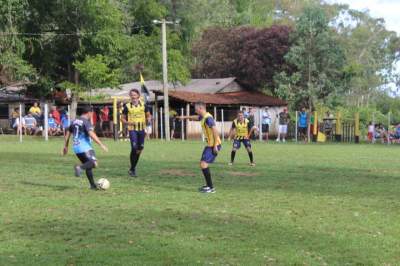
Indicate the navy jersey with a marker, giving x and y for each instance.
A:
(79, 129)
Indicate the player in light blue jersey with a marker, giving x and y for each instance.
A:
(82, 132)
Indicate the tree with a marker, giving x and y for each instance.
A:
(251, 55)
(95, 73)
(317, 61)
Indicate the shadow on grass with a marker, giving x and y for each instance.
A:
(55, 187)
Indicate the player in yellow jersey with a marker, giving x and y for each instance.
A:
(135, 115)
(210, 152)
(241, 131)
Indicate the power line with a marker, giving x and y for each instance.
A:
(64, 33)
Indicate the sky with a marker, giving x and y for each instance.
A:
(387, 9)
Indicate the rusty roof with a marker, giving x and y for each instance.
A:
(229, 98)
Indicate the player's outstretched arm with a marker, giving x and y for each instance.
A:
(189, 117)
(97, 140)
(232, 133)
(66, 143)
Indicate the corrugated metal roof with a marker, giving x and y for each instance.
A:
(206, 85)
(232, 98)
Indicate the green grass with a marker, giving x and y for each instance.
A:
(301, 205)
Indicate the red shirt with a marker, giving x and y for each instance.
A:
(94, 118)
(56, 116)
(105, 114)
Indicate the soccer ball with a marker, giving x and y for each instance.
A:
(103, 183)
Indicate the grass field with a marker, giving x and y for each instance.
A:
(301, 205)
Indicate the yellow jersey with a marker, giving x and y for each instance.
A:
(208, 132)
(242, 129)
(135, 115)
(35, 110)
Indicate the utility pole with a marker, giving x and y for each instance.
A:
(164, 23)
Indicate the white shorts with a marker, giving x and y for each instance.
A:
(148, 130)
(283, 129)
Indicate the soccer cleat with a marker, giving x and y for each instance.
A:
(284, 140)
(132, 173)
(78, 170)
(230, 164)
(252, 164)
(277, 140)
(207, 190)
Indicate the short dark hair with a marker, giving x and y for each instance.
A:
(202, 104)
(134, 90)
(86, 109)
(240, 112)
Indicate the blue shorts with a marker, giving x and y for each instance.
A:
(137, 139)
(237, 142)
(208, 155)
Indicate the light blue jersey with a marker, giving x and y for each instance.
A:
(80, 132)
(302, 119)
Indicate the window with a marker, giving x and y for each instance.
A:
(4, 111)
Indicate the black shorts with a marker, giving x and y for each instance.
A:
(265, 128)
(303, 130)
(87, 156)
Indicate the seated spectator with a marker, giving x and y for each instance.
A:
(65, 123)
(31, 124)
(56, 114)
(381, 133)
(20, 128)
(53, 127)
(14, 116)
(36, 112)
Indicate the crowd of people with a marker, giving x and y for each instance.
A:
(33, 122)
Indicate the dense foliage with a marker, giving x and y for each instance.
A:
(308, 52)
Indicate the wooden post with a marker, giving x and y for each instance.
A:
(161, 123)
(187, 122)
(357, 127)
(156, 116)
(296, 128)
(222, 125)
(389, 122)
(182, 126)
(260, 132)
(315, 128)
(115, 118)
(338, 127)
(20, 126)
(46, 122)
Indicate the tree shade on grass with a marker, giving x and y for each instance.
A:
(301, 204)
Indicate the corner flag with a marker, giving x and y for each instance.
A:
(144, 89)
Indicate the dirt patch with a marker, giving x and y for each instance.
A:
(244, 174)
(177, 172)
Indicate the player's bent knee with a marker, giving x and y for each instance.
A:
(203, 165)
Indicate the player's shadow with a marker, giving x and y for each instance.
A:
(55, 187)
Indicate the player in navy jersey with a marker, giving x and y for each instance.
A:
(82, 132)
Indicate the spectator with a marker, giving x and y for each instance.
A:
(56, 115)
(371, 132)
(172, 122)
(31, 124)
(245, 113)
(266, 123)
(149, 129)
(20, 128)
(35, 110)
(328, 124)
(284, 119)
(303, 124)
(14, 116)
(105, 120)
(53, 127)
(65, 123)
